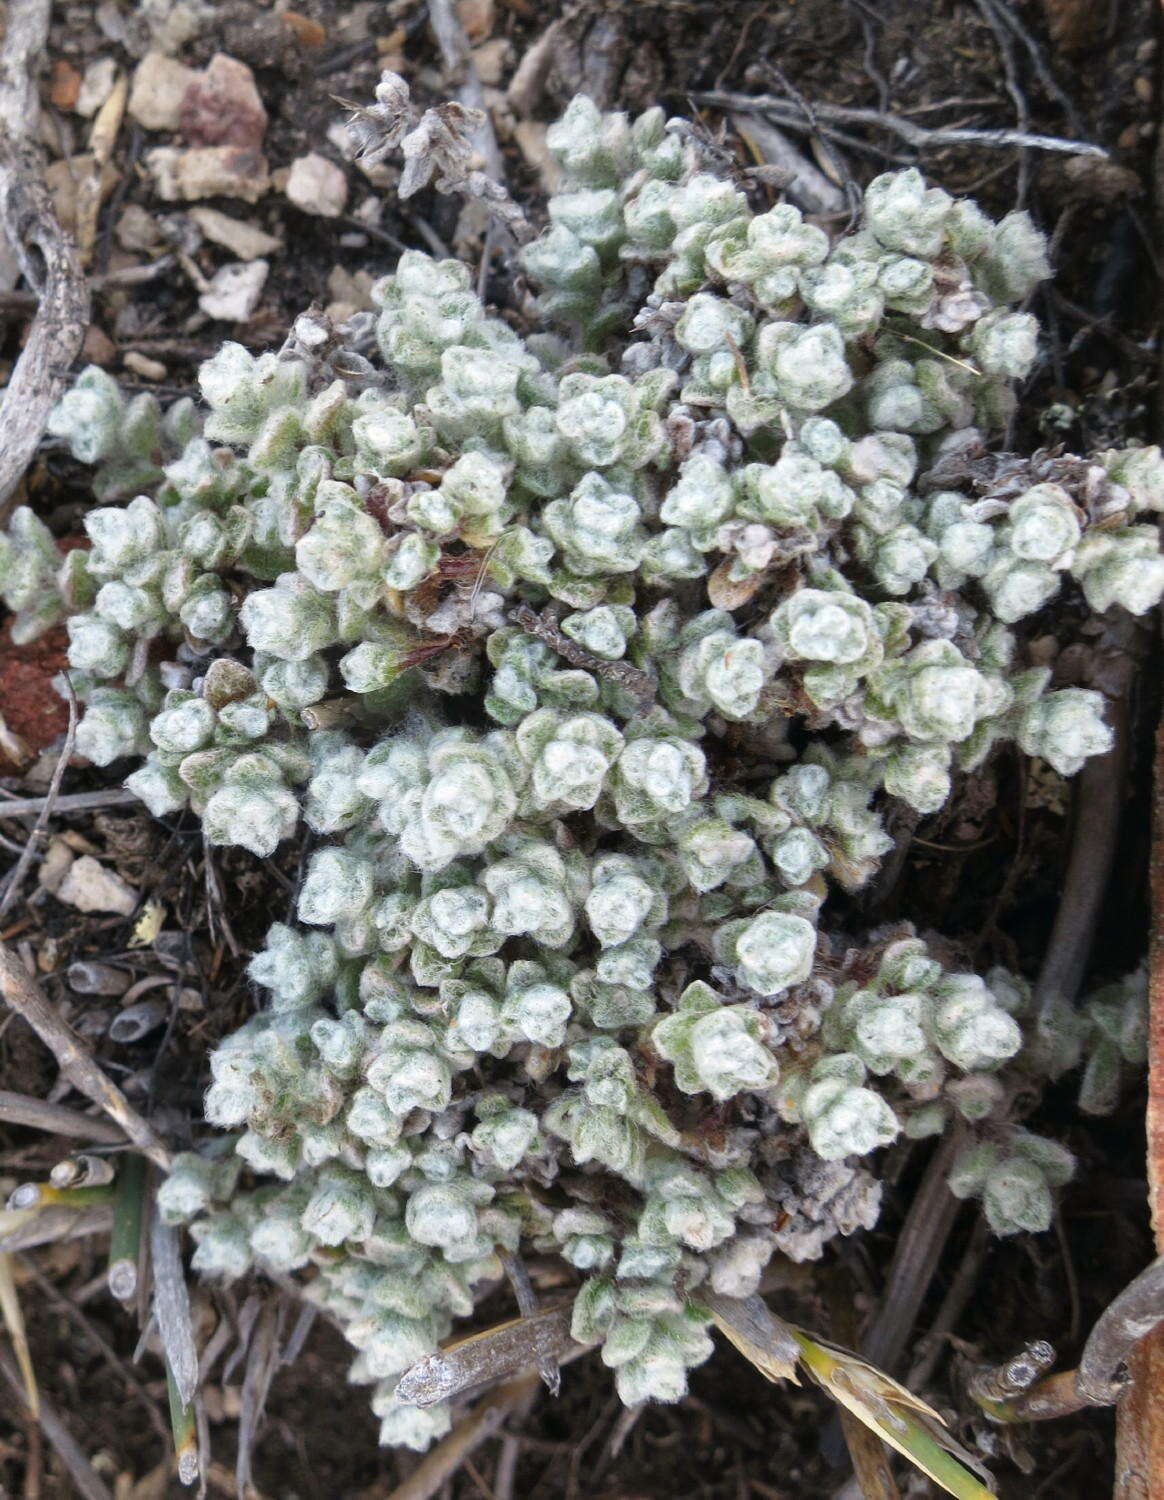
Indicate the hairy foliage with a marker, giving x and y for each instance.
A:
(637, 620)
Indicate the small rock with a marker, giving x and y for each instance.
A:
(496, 101)
(56, 864)
(137, 229)
(350, 293)
(222, 107)
(141, 364)
(96, 86)
(352, 23)
(63, 178)
(391, 45)
(530, 136)
(476, 18)
(159, 86)
(89, 886)
(207, 172)
(338, 137)
(491, 60)
(233, 292)
(98, 348)
(317, 186)
(246, 241)
(111, 22)
(64, 85)
(56, 134)
(1090, 180)
(388, 60)
(173, 23)
(307, 33)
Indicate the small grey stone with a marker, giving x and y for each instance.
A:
(89, 886)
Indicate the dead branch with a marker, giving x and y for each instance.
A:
(1156, 1007)
(1022, 112)
(1100, 791)
(787, 114)
(89, 1330)
(38, 1114)
(1133, 1315)
(546, 629)
(920, 1243)
(56, 1223)
(47, 257)
(472, 1362)
(528, 83)
(263, 1359)
(28, 1000)
(1013, 1392)
(455, 54)
(808, 187)
(32, 807)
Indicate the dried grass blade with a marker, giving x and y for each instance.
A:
(262, 1361)
(17, 1333)
(47, 1225)
(304, 1323)
(761, 1337)
(172, 1309)
(894, 1414)
(483, 1357)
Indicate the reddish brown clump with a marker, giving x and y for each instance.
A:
(222, 107)
(30, 705)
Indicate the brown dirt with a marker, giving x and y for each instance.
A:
(30, 705)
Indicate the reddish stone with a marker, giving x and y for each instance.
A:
(222, 107)
(307, 33)
(64, 85)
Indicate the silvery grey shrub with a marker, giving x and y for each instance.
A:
(636, 622)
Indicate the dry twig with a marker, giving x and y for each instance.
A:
(920, 1243)
(546, 629)
(263, 1359)
(1100, 790)
(32, 807)
(46, 254)
(808, 187)
(48, 1225)
(921, 137)
(990, 14)
(1013, 1393)
(455, 54)
(28, 1000)
(39, 1114)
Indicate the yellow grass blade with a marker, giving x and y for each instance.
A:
(761, 1337)
(14, 1322)
(893, 1413)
